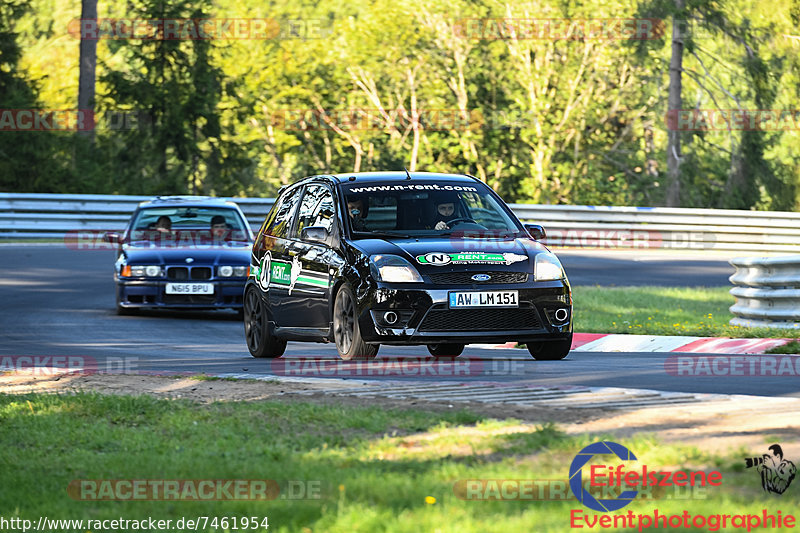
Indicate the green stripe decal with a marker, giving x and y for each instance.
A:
(312, 281)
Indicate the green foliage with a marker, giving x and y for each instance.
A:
(21, 165)
(336, 89)
(175, 85)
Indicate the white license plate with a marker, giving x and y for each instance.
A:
(484, 299)
(190, 288)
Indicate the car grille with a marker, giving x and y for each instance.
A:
(440, 319)
(200, 273)
(464, 278)
(186, 273)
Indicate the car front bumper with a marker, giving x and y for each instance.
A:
(152, 294)
(424, 315)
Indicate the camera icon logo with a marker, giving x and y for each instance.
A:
(776, 472)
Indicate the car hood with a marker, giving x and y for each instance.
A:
(233, 254)
(450, 254)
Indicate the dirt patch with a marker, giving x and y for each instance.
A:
(536, 414)
(724, 425)
(190, 388)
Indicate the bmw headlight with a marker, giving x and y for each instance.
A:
(146, 271)
(230, 271)
(393, 269)
(548, 268)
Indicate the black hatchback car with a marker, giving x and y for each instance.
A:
(405, 259)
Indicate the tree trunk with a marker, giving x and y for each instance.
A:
(674, 104)
(86, 77)
(415, 121)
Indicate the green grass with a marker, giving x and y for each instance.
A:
(789, 347)
(695, 311)
(378, 469)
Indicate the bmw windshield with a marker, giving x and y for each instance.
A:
(179, 226)
(427, 208)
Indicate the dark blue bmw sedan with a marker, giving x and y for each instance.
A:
(182, 252)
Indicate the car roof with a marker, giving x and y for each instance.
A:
(187, 201)
(401, 175)
(367, 177)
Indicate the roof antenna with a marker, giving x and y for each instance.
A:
(407, 174)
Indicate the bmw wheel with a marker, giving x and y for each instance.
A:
(260, 340)
(346, 332)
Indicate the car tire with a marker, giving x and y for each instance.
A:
(550, 350)
(445, 349)
(260, 340)
(346, 332)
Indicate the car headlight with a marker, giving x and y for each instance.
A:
(548, 268)
(145, 271)
(228, 271)
(393, 269)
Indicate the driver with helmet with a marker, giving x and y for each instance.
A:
(445, 212)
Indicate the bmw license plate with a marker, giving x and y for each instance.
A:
(484, 299)
(190, 288)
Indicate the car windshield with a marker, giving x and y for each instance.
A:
(427, 208)
(165, 223)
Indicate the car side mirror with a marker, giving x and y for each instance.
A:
(314, 234)
(111, 237)
(536, 231)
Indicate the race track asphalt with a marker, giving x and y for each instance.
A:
(59, 302)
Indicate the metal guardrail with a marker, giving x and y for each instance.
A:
(767, 291)
(52, 216)
(664, 227)
(29, 216)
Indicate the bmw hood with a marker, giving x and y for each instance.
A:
(234, 255)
